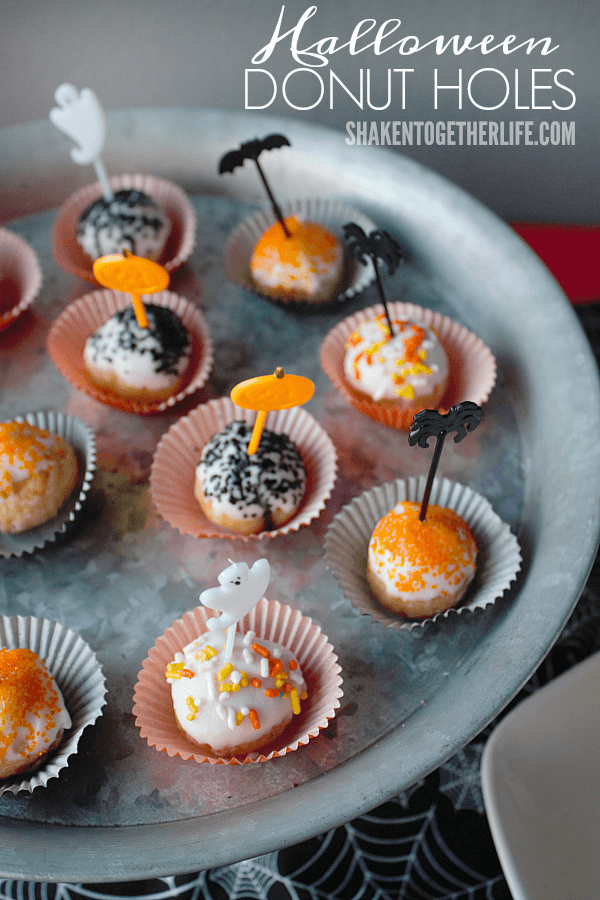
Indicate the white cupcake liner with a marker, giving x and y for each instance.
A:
(348, 536)
(81, 437)
(67, 337)
(79, 676)
(180, 244)
(472, 364)
(178, 453)
(332, 214)
(271, 620)
(19, 265)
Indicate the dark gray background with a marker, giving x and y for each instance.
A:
(193, 53)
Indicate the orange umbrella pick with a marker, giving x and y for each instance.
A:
(133, 275)
(267, 392)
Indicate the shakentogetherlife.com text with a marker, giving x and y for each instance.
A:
(461, 133)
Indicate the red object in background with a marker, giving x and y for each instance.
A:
(572, 253)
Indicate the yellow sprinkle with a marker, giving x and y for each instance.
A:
(295, 702)
(227, 688)
(408, 392)
(209, 652)
(174, 670)
(244, 679)
(239, 718)
(192, 707)
(225, 671)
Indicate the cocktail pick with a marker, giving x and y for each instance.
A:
(461, 417)
(267, 392)
(376, 245)
(240, 589)
(252, 150)
(81, 117)
(133, 275)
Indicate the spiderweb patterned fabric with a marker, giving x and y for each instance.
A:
(431, 842)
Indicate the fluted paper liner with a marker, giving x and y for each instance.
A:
(79, 676)
(180, 244)
(472, 364)
(67, 337)
(20, 269)
(173, 469)
(271, 620)
(348, 536)
(331, 214)
(81, 437)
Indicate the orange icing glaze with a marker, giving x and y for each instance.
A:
(26, 687)
(306, 238)
(439, 543)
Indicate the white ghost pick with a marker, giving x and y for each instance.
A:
(240, 589)
(80, 116)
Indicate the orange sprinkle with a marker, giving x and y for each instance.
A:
(256, 682)
(260, 649)
(306, 238)
(254, 719)
(442, 543)
(187, 673)
(292, 664)
(272, 692)
(275, 667)
(26, 447)
(25, 687)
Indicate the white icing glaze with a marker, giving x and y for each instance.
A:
(132, 220)
(25, 737)
(216, 706)
(423, 572)
(383, 369)
(140, 357)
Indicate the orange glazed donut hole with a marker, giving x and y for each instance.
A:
(33, 716)
(306, 266)
(419, 569)
(38, 472)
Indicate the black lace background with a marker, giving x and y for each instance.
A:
(430, 843)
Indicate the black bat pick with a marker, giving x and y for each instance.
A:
(462, 417)
(252, 150)
(376, 245)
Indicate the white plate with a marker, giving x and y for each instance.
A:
(541, 778)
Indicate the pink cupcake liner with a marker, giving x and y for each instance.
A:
(81, 437)
(67, 337)
(178, 453)
(78, 674)
(332, 214)
(20, 277)
(271, 620)
(472, 364)
(348, 536)
(71, 258)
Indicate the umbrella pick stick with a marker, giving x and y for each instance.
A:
(274, 204)
(259, 423)
(139, 310)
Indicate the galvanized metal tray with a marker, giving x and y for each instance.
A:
(121, 810)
